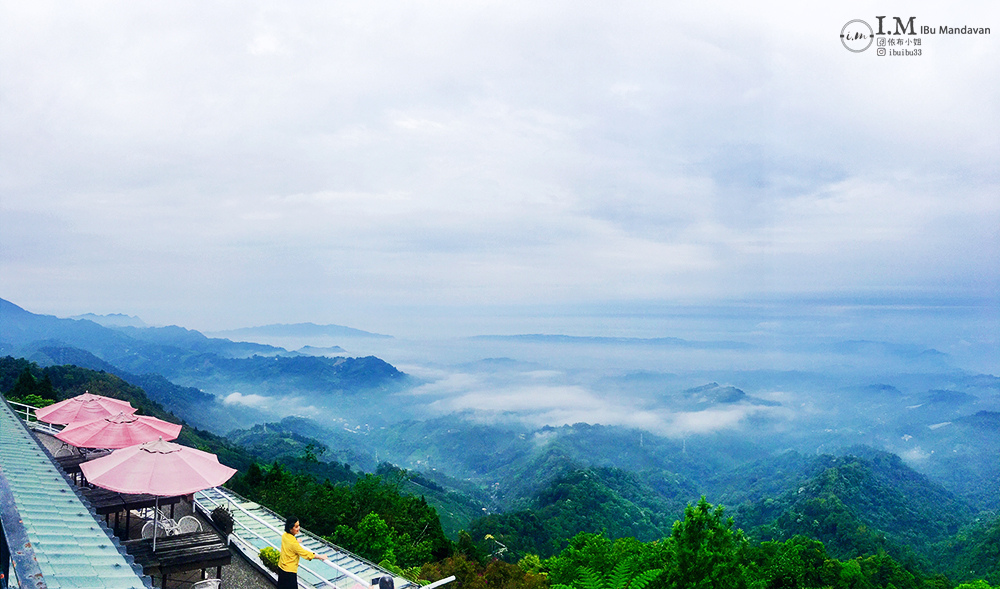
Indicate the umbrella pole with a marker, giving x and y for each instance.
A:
(156, 519)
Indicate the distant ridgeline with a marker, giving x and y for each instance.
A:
(304, 330)
(25, 381)
(192, 373)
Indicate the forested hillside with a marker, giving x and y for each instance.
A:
(859, 520)
(859, 504)
(21, 380)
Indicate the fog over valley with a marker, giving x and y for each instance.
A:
(774, 387)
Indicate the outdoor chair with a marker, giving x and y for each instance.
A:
(65, 450)
(161, 530)
(207, 584)
(188, 524)
(150, 513)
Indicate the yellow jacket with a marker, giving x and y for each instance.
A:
(291, 550)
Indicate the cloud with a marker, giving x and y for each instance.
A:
(304, 158)
(711, 420)
(915, 455)
(251, 400)
(447, 384)
(278, 406)
(556, 403)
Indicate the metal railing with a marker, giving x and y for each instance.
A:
(322, 578)
(29, 418)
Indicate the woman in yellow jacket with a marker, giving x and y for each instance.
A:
(291, 550)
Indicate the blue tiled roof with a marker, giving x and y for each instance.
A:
(72, 547)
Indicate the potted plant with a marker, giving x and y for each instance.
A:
(269, 556)
(223, 519)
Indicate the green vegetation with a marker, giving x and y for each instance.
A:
(270, 556)
(624, 576)
(609, 501)
(861, 504)
(30, 390)
(703, 551)
(370, 517)
(861, 521)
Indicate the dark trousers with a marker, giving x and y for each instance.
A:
(287, 580)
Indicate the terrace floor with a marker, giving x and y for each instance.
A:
(238, 574)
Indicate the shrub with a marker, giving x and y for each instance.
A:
(269, 556)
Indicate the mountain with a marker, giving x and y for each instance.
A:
(609, 501)
(512, 463)
(201, 409)
(859, 503)
(961, 451)
(64, 381)
(131, 348)
(299, 330)
(317, 351)
(538, 338)
(112, 320)
(544, 485)
(713, 393)
(173, 362)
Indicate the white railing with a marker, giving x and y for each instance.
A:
(29, 418)
(273, 545)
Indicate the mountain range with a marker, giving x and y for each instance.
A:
(904, 462)
(195, 373)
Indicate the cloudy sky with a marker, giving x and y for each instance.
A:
(219, 165)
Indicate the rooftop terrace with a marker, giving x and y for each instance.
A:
(53, 539)
(57, 539)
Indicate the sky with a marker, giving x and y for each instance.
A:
(484, 167)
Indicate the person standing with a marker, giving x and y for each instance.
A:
(291, 551)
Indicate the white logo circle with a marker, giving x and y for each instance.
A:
(857, 36)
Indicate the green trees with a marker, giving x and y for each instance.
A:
(370, 517)
(702, 552)
(496, 574)
(31, 391)
(705, 550)
(799, 562)
(974, 553)
(598, 554)
(375, 540)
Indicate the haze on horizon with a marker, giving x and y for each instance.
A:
(460, 168)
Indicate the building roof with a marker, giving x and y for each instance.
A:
(72, 548)
(256, 527)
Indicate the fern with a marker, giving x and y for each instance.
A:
(622, 577)
(644, 578)
(590, 579)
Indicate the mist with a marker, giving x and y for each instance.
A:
(807, 375)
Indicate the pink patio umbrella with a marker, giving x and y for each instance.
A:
(85, 407)
(119, 431)
(158, 468)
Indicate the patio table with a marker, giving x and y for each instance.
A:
(183, 552)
